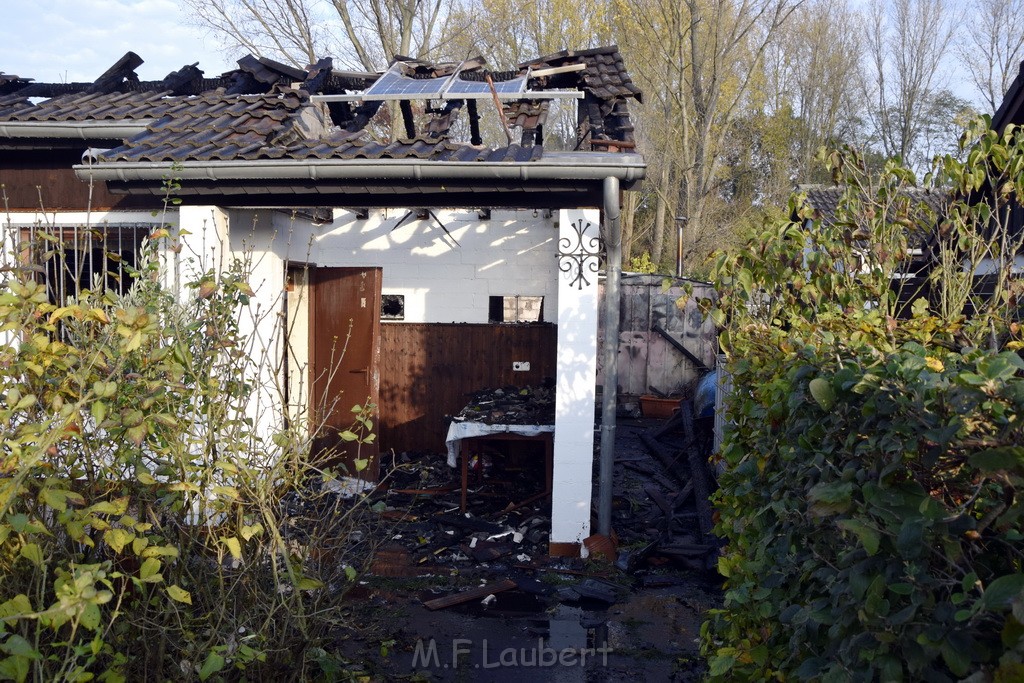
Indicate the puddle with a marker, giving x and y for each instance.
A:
(649, 634)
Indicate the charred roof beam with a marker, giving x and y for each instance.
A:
(114, 78)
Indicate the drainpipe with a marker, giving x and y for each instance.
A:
(680, 228)
(613, 271)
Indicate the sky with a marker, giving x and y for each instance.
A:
(58, 41)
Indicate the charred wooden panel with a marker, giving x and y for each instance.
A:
(427, 370)
(32, 180)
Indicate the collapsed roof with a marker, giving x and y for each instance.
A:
(311, 129)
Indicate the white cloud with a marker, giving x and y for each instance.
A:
(77, 40)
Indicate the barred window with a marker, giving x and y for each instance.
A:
(70, 259)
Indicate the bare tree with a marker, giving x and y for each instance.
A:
(360, 34)
(992, 50)
(727, 40)
(907, 41)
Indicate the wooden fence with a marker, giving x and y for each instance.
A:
(428, 370)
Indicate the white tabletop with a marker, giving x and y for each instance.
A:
(457, 431)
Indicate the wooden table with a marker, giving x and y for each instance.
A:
(511, 433)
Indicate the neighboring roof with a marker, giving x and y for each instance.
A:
(825, 200)
(1011, 109)
(232, 128)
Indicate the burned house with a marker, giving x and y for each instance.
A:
(396, 259)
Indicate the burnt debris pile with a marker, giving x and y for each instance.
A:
(511, 405)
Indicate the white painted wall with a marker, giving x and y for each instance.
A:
(8, 244)
(297, 342)
(574, 393)
(510, 254)
(212, 239)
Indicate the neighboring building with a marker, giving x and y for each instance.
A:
(925, 205)
(415, 245)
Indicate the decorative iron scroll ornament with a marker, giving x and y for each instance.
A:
(580, 254)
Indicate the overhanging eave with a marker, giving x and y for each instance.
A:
(311, 175)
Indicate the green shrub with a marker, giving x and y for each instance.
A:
(147, 531)
(875, 457)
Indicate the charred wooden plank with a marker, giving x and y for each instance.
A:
(471, 594)
(679, 347)
(701, 493)
(669, 458)
(659, 500)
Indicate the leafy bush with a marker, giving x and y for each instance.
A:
(874, 457)
(147, 531)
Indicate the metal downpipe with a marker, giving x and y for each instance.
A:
(613, 272)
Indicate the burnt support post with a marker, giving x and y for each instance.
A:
(613, 272)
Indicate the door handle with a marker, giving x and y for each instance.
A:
(363, 371)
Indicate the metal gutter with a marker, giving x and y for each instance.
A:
(82, 130)
(564, 166)
(613, 272)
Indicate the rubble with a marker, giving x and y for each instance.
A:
(511, 405)
(430, 559)
(660, 523)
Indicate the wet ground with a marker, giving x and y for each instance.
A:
(562, 619)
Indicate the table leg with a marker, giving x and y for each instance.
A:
(464, 453)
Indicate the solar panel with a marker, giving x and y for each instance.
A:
(394, 85)
(461, 89)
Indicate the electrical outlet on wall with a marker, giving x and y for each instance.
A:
(520, 366)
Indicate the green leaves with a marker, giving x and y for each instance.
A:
(214, 662)
(826, 499)
(179, 594)
(138, 495)
(33, 553)
(871, 504)
(233, 546)
(821, 390)
(994, 460)
(868, 536)
(148, 572)
(999, 593)
(117, 539)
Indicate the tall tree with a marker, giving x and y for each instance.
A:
(992, 50)
(907, 42)
(701, 59)
(508, 33)
(360, 34)
(808, 85)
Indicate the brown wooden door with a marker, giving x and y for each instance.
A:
(345, 340)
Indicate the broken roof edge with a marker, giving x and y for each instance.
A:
(562, 166)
